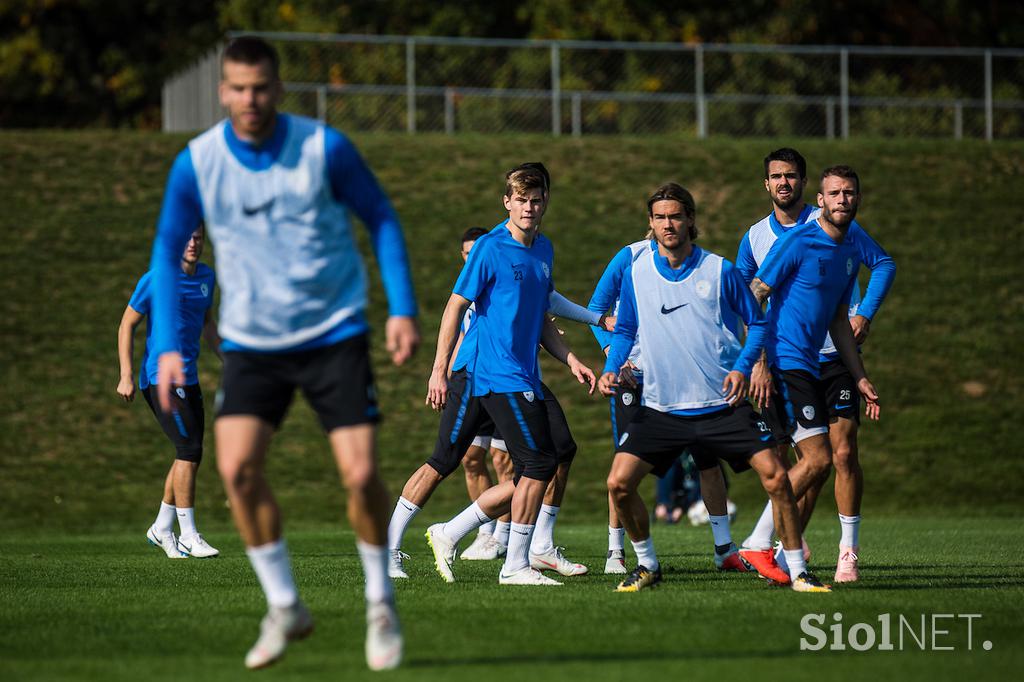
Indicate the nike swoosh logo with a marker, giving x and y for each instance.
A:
(251, 211)
(666, 311)
(187, 548)
(518, 265)
(837, 406)
(547, 563)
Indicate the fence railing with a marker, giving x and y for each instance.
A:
(451, 85)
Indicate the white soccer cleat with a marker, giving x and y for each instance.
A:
(616, 562)
(444, 551)
(167, 542)
(525, 576)
(484, 548)
(698, 514)
(197, 547)
(396, 567)
(556, 561)
(280, 626)
(383, 636)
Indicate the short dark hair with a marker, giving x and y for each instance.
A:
(252, 51)
(473, 233)
(672, 191)
(788, 155)
(842, 172)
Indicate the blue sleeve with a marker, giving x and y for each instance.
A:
(782, 259)
(883, 273)
(607, 292)
(745, 262)
(741, 301)
(353, 184)
(139, 302)
(625, 324)
(180, 214)
(476, 273)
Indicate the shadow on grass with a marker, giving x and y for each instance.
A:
(604, 656)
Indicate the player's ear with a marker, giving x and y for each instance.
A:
(821, 200)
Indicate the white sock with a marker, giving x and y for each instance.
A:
(645, 555)
(165, 519)
(544, 535)
(186, 522)
(487, 528)
(375, 568)
(720, 530)
(465, 522)
(501, 532)
(405, 511)
(616, 539)
(518, 556)
(795, 562)
(851, 530)
(761, 536)
(274, 570)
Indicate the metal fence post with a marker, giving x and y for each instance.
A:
(321, 103)
(958, 120)
(449, 111)
(410, 85)
(988, 95)
(844, 92)
(556, 91)
(698, 84)
(577, 115)
(830, 118)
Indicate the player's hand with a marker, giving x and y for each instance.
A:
(761, 384)
(126, 388)
(861, 327)
(607, 384)
(437, 389)
(867, 390)
(170, 373)
(607, 323)
(402, 338)
(627, 377)
(734, 386)
(582, 373)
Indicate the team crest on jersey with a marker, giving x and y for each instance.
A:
(627, 399)
(808, 412)
(547, 270)
(849, 266)
(529, 396)
(703, 288)
(204, 287)
(180, 391)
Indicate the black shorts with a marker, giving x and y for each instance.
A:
(803, 397)
(522, 419)
(336, 380)
(841, 394)
(185, 423)
(733, 434)
(625, 404)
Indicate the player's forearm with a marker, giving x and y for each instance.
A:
(760, 290)
(842, 337)
(448, 333)
(553, 342)
(560, 306)
(125, 349)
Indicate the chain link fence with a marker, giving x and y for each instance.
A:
(475, 85)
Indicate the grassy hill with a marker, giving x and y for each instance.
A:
(78, 222)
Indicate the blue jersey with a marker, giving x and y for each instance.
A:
(196, 297)
(606, 295)
(276, 214)
(510, 285)
(810, 276)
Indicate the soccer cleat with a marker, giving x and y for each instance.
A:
(167, 542)
(484, 548)
(616, 562)
(444, 551)
(732, 561)
(808, 582)
(196, 546)
(640, 579)
(554, 560)
(763, 561)
(780, 557)
(395, 567)
(383, 636)
(698, 514)
(280, 626)
(525, 576)
(846, 568)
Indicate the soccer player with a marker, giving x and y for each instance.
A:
(690, 305)
(626, 402)
(185, 422)
(274, 190)
(785, 179)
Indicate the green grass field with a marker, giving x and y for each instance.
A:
(109, 607)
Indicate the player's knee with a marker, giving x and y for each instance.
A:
(775, 481)
(359, 476)
(474, 465)
(240, 477)
(618, 487)
(567, 453)
(844, 457)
